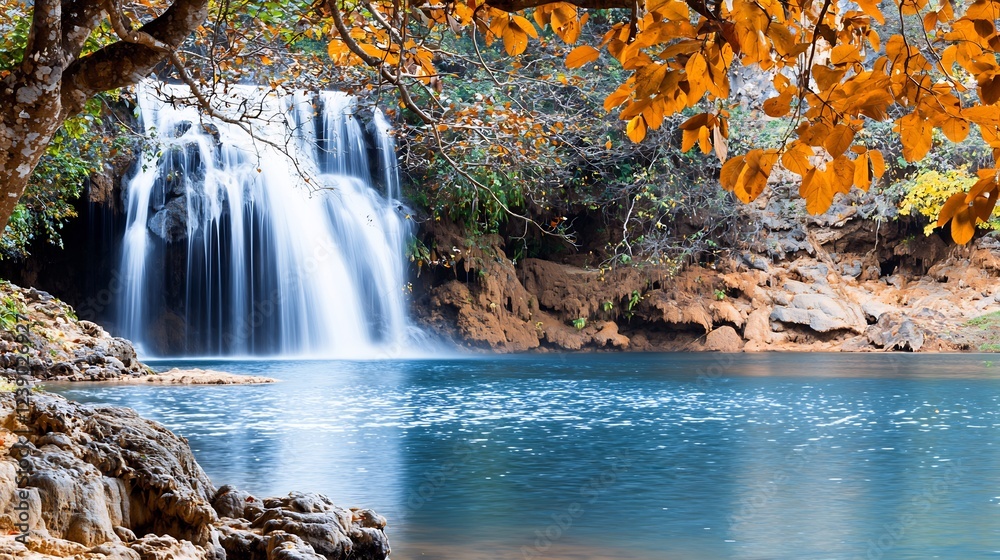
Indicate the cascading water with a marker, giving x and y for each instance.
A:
(271, 240)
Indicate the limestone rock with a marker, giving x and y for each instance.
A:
(153, 547)
(724, 339)
(895, 331)
(196, 376)
(608, 336)
(821, 313)
(758, 327)
(875, 309)
(682, 310)
(331, 531)
(725, 312)
(237, 504)
(63, 347)
(99, 475)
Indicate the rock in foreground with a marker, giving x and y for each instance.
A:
(101, 482)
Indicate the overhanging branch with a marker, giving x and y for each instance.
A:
(125, 63)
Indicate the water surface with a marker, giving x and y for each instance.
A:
(642, 456)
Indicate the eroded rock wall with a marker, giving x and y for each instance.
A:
(844, 281)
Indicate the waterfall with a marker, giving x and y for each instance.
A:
(267, 238)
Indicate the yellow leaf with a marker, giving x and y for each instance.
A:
(525, 26)
(839, 140)
(963, 226)
(827, 77)
(635, 109)
(704, 142)
(582, 55)
(636, 129)
(955, 129)
(648, 79)
(930, 21)
(982, 207)
(870, 7)
(778, 106)
(731, 171)
(753, 176)
(514, 40)
(817, 190)
(950, 207)
(688, 139)
(845, 54)
(721, 145)
(695, 122)
(542, 14)
(668, 9)
(796, 159)
(878, 163)
(654, 114)
(843, 174)
(984, 184)
(619, 96)
(336, 48)
(915, 133)
(989, 90)
(862, 173)
(697, 75)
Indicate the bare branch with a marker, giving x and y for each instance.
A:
(518, 5)
(123, 28)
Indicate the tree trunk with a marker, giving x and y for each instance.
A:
(54, 82)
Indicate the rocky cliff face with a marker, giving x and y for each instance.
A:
(100, 482)
(59, 345)
(843, 281)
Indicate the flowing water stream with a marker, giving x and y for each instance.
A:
(281, 236)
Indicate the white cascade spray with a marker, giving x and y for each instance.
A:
(237, 246)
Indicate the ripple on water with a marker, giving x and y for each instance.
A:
(499, 447)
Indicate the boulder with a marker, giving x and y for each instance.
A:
(723, 339)
(821, 313)
(758, 327)
(895, 331)
(608, 336)
(98, 475)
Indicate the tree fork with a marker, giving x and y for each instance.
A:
(54, 82)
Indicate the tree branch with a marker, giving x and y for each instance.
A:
(518, 5)
(80, 18)
(123, 28)
(125, 63)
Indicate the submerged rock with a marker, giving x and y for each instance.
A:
(195, 376)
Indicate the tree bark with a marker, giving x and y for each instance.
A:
(54, 81)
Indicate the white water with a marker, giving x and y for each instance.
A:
(286, 250)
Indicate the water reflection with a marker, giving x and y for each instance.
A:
(609, 456)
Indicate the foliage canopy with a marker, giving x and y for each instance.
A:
(834, 69)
